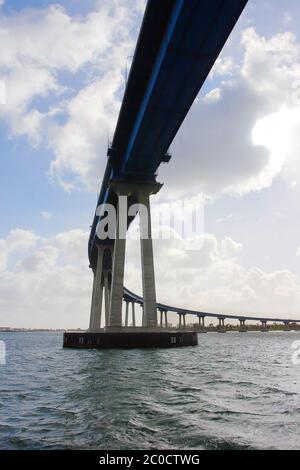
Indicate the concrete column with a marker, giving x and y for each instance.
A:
(148, 278)
(106, 297)
(96, 307)
(116, 297)
(201, 325)
(180, 320)
(133, 314)
(126, 313)
(243, 328)
(221, 326)
(264, 327)
(184, 324)
(161, 318)
(287, 326)
(166, 318)
(143, 316)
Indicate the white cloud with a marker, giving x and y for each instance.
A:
(230, 248)
(46, 282)
(222, 67)
(213, 95)
(44, 52)
(17, 240)
(80, 145)
(239, 137)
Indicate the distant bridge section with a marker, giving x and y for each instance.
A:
(131, 297)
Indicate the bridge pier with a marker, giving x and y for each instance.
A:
(243, 327)
(133, 314)
(126, 313)
(161, 318)
(166, 318)
(106, 296)
(221, 326)
(141, 192)
(116, 297)
(264, 327)
(202, 324)
(287, 326)
(148, 277)
(96, 306)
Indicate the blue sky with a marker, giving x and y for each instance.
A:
(63, 66)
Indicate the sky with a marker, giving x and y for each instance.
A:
(62, 65)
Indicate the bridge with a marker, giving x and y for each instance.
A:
(178, 43)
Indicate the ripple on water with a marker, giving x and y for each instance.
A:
(230, 392)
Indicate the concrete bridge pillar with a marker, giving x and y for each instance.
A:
(180, 321)
(243, 328)
(264, 327)
(141, 191)
(96, 307)
(106, 297)
(202, 324)
(143, 315)
(166, 318)
(221, 326)
(127, 313)
(161, 318)
(184, 322)
(133, 314)
(148, 277)
(115, 310)
(287, 326)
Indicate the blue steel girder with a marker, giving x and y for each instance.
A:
(194, 37)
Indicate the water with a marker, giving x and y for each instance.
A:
(233, 391)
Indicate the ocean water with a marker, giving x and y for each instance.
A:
(233, 391)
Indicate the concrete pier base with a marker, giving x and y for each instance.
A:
(130, 338)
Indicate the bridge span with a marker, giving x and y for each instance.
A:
(131, 298)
